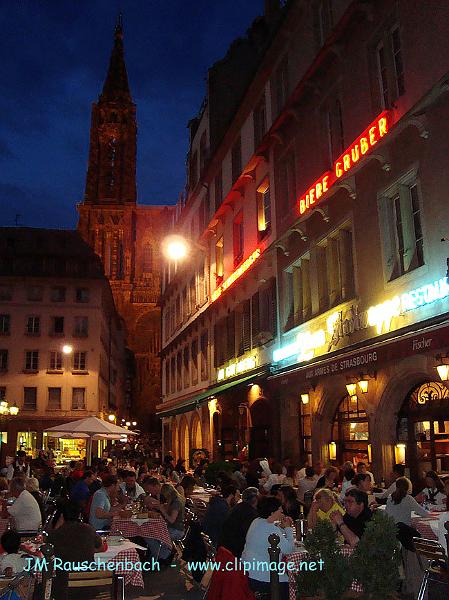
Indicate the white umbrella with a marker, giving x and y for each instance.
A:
(91, 428)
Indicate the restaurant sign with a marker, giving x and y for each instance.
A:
(236, 368)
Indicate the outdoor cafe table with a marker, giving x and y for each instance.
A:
(119, 555)
(297, 557)
(155, 529)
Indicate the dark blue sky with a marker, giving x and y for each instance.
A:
(54, 57)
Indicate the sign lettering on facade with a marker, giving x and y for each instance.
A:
(237, 273)
(236, 368)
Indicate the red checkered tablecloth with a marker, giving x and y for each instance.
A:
(425, 528)
(297, 557)
(152, 528)
(132, 576)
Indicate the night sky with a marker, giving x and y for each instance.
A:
(54, 57)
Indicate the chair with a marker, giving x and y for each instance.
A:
(106, 582)
(22, 585)
(438, 568)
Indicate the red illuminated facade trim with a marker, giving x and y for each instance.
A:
(344, 163)
(236, 274)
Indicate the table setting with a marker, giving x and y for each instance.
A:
(146, 527)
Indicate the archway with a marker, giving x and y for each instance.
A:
(260, 439)
(423, 430)
(184, 446)
(216, 436)
(174, 437)
(350, 431)
(196, 433)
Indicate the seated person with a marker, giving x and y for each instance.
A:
(130, 488)
(352, 524)
(81, 490)
(25, 510)
(256, 546)
(433, 494)
(290, 504)
(362, 468)
(329, 479)
(173, 512)
(362, 482)
(348, 476)
(307, 483)
(12, 561)
(323, 505)
(187, 483)
(152, 488)
(217, 511)
(105, 504)
(237, 522)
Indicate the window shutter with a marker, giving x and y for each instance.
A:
(255, 318)
(246, 326)
(386, 222)
(297, 295)
(408, 229)
(273, 308)
(229, 334)
(346, 264)
(323, 290)
(306, 293)
(217, 345)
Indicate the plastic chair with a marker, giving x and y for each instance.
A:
(438, 568)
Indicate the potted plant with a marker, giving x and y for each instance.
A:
(376, 558)
(334, 579)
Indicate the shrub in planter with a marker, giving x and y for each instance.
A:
(376, 558)
(215, 467)
(332, 582)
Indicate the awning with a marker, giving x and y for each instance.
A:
(194, 401)
(419, 340)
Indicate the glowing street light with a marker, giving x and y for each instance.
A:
(134, 423)
(67, 349)
(175, 247)
(112, 418)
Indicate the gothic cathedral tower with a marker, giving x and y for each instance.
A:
(125, 235)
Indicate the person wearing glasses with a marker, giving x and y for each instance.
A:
(352, 523)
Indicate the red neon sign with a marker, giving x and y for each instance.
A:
(237, 273)
(344, 163)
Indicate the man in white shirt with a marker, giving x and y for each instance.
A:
(361, 468)
(307, 483)
(25, 510)
(398, 471)
(130, 487)
(19, 466)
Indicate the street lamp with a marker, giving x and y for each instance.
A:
(134, 423)
(175, 247)
(67, 349)
(112, 418)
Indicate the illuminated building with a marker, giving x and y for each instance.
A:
(62, 343)
(352, 155)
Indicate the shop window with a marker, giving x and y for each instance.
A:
(29, 398)
(263, 211)
(54, 398)
(401, 230)
(5, 324)
(423, 430)
(32, 360)
(33, 325)
(27, 441)
(351, 431)
(78, 398)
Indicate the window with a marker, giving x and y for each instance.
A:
(80, 361)
(193, 169)
(219, 269)
(201, 292)
(335, 269)
(32, 360)
(5, 324)
(58, 294)
(5, 293)
(335, 133)
(287, 184)
(3, 360)
(204, 342)
(55, 362)
(325, 20)
(147, 266)
(185, 367)
(351, 431)
(179, 371)
(299, 293)
(397, 58)
(192, 295)
(238, 238)
(2, 392)
(29, 398)
(263, 211)
(82, 295)
(382, 74)
(218, 189)
(281, 85)
(243, 327)
(260, 121)
(194, 361)
(35, 293)
(236, 160)
(185, 305)
(57, 326)
(402, 236)
(78, 398)
(33, 325)
(173, 375)
(81, 328)
(54, 398)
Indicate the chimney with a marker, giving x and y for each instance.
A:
(272, 8)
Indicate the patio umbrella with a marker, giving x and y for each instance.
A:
(91, 428)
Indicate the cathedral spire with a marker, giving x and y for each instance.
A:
(116, 87)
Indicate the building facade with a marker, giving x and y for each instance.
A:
(124, 235)
(312, 314)
(62, 343)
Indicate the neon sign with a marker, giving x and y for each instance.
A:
(237, 273)
(304, 347)
(246, 364)
(344, 163)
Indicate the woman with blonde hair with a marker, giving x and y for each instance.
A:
(324, 504)
(172, 511)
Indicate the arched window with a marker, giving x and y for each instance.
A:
(351, 431)
(148, 258)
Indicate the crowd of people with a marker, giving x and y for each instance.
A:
(249, 501)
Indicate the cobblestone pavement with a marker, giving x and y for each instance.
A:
(168, 584)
